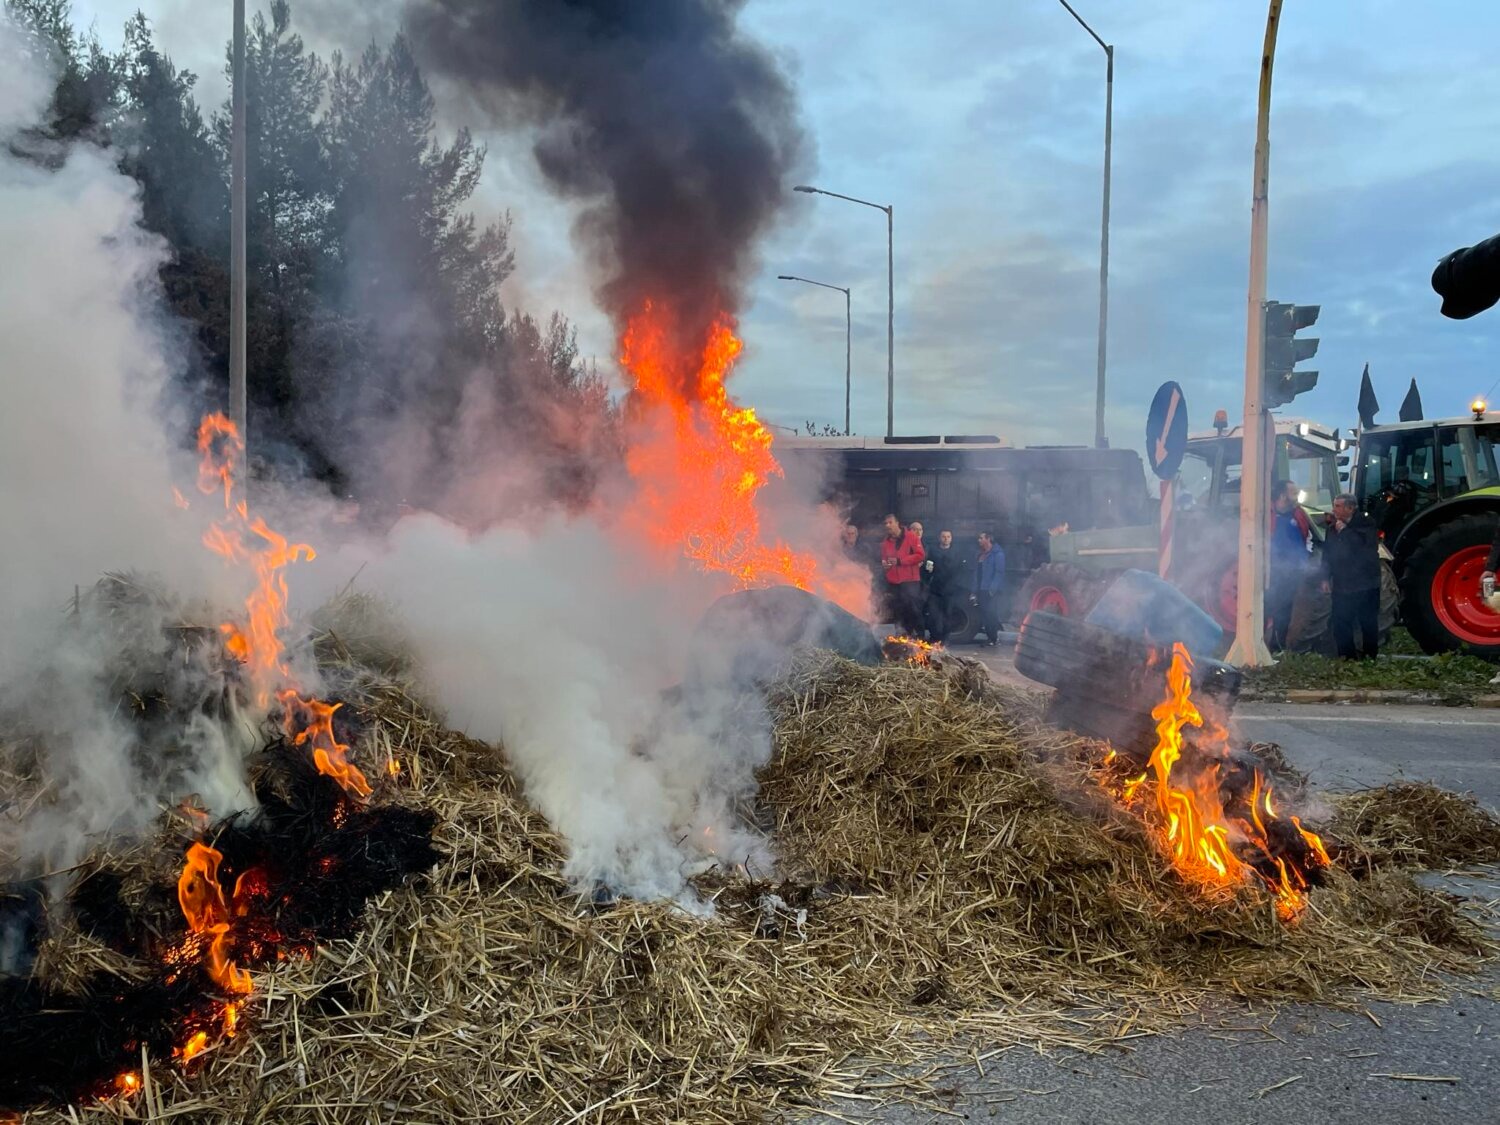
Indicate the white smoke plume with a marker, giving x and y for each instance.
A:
(558, 641)
(86, 478)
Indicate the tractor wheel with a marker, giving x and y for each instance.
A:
(1068, 591)
(1440, 598)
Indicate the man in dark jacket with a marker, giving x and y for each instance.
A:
(901, 557)
(942, 574)
(1351, 563)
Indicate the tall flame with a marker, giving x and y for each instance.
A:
(256, 642)
(1200, 838)
(698, 457)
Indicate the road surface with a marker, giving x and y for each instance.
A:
(1297, 1063)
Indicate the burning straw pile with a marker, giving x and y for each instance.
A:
(942, 876)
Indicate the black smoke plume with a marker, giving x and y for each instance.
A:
(675, 130)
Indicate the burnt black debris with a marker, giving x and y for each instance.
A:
(297, 871)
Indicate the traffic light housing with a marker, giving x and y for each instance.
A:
(1281, 351)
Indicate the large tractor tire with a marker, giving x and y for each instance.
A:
(1068, 591)
(1440, 597)
(1082, 659)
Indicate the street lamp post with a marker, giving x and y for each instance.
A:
(1109, 112)
(1249, 648)
(237, 395)
(847, 331)
(890, 308)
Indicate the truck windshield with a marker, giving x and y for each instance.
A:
(1469, 458)
(1314, 470)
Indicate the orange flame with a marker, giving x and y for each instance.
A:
(309, 722)
(256, 643)
(202, 902)
(915, 652)
(699, 458)
(1197, 832)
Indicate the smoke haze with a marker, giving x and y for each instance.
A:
(88, 477)
(673, 130)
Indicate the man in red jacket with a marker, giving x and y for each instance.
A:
(901, 557)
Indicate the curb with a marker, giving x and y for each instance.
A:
(1328, 695)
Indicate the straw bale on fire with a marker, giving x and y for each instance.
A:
(944, 874)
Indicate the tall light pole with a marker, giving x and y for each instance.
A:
(890, 307)
(1249, 648)
(237, 399)
(1109, 114)
(847, 332)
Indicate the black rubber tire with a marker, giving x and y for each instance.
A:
(1416, 582)
(1131, 732)
(1080, 587)
(1079, 658)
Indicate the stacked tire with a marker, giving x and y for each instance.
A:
(1107, 684)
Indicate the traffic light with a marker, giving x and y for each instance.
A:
(1281, 351)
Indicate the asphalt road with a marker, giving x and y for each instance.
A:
(1296, 1063)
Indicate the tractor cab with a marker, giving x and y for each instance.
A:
(1305, 453)
(1433, 489)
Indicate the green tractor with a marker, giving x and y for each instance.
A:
(1206, 564)
(1433, 489)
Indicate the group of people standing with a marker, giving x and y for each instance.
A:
(1348, 569)
(922, 589)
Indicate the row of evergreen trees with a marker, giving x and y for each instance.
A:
(373, 295)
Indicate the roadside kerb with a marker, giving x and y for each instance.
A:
(1367, 695)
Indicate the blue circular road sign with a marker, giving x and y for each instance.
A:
(1166, 431)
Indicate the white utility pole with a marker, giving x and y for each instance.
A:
(237, 400)
(1249, 648)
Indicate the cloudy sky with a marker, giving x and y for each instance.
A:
(982, 123)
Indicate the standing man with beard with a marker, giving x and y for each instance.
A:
(901, 557)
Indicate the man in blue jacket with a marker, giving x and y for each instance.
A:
(989, 586)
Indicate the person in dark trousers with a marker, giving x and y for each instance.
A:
(1351, 564)
(989, 587)
(901, 557)
(1290, 535)
(941, 573)
(1491, 565)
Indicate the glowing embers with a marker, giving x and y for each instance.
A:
(910, 650)
(1216, 829)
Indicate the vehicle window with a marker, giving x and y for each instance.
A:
(1314, 472)
(1194, 480)
(1468, 458)
(1400, 476)
(958, 494)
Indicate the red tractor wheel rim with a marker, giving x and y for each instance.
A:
(1049, 599)
(1457, 602)
(1226, 603)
